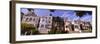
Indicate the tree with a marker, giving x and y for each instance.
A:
(80, 13)
(28, 29)
(22, 15)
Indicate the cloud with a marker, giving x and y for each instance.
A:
(24, 10)
(71, 15)
(42, 12)
(58, 13)
(87, 17)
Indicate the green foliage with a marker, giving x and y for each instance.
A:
(29, 27)
(51, 32)
(58, 32)
(55, 31)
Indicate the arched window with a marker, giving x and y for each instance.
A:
(33, 19)
(42, 26)
(30, 19)
(26, 19)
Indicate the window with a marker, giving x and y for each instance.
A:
(26, 19)
(48, 26)
(49, 22)
(49, 17)
(66, 26)
(46, 17)
(76, 26)
(30, 19)
(43, 20)
(33, 19)
(42, 26)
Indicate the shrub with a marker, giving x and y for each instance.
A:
(28, 28)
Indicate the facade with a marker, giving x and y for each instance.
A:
(31, 18)
(42, 23)
(68, 26)
(87, 27)
(58, 25)
(45, 24)
(52, 24)
(82, 26)
(77, 26)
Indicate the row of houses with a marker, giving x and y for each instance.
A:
(77, 26)
(44, 24)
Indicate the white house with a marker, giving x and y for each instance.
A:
(45, 24)
(31, 18)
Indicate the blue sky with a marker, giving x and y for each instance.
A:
(70, 14)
